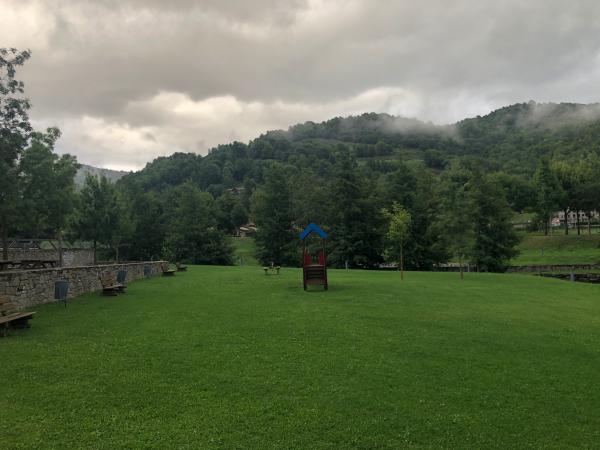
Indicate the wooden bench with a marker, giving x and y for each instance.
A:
(166, 270)
(11, 318)
(181, 267)
(110, 285)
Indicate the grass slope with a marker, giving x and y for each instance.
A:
(231, 358)
(244, 250)
(559, 249)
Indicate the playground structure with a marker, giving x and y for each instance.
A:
(314, 270)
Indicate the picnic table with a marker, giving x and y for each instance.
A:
(27, 264)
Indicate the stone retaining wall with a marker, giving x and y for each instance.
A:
(27, 288)
(72, 257)
(552, 268)
(580, 277)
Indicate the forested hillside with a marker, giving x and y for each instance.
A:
(467, 178)
(511, 139)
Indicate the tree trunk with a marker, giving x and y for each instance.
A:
(546, 227)
(589, 224)
(578, 223)
(401, 261)
(462, 273)
(60, 248)
(95, 258)
(566, 211)
(4, 242)
(117, 252)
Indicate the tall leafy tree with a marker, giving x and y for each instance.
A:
(567, 179)
(398, 230)
(14, 133)
(48, 188)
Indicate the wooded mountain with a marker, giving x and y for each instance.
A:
(510, 139)
(461, 184)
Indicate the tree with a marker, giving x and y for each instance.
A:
(456, 221)
(149, 224)
(520, 192)
(124, 224)
(398, 230)
(231, 213)
(354, 219)
(47, 186)
(588, 190)
(97, 213)
(239, 215)
(272, 209)
(14, 133)
(549, 192)
(494, 236)
(416, 189)
(567, 180)
(192, 234)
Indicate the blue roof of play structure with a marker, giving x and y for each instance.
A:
(312, 227)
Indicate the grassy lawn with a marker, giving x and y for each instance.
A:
(559, 249)
(244, 250)
(231, 358)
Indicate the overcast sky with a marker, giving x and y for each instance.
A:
(129, 80)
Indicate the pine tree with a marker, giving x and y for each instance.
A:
(354, 219)
(494, 236)
(97, 214)
(456, 221)
(549, 192)
(272, 208)
(192, 235)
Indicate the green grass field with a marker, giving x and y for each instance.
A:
(244, 250)
(230, 358)
(558, 249)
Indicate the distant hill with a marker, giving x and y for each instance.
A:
(112, 175)
(511, 139)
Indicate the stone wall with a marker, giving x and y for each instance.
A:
(552, 268)
(72, 257)
(27, 288)
(580, 277)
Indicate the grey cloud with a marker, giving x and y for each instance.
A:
(114, 61)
